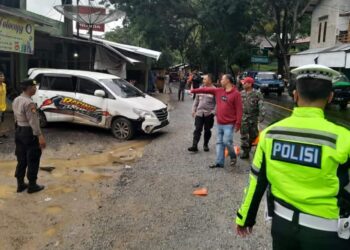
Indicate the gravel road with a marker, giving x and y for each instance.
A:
(152, 206)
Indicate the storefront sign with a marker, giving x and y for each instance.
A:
(16, 35)
(95, 27)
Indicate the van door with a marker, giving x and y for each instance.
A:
(55, 95)
(93, 109)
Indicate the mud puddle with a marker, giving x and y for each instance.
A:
(73, 191)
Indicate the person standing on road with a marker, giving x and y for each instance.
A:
(3, 105)
(167, 87)
(229, 117)
(182, 87)
(253, 113)
(304, 163)
(28, 137)
(203, 110)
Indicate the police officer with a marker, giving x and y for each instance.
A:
(253, 113)
(304, 163)
(29, 139)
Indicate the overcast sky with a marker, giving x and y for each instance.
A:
(45, 8)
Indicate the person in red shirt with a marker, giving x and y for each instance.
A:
(229, 112)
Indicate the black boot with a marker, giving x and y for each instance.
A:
(245, 154)
(33, 187)
(206, 148)
(21, 185)
(193, 149)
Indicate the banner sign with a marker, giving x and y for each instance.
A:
(95, 27)
(16, 35)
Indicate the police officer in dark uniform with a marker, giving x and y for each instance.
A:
(29, 138)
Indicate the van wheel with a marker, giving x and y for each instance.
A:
(42, 119)
(279, 93)
(122, 129)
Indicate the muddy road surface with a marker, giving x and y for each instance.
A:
(109, 195)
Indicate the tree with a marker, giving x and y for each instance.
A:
(205, 33)
(281, 20)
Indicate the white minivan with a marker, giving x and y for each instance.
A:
(96, 99)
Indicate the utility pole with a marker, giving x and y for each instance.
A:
(68, 23)
(78, 28)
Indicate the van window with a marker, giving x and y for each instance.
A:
(122, 88)
(58, 83)
(87, 87)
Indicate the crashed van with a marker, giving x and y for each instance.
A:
(96, 99)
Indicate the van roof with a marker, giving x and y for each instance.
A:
(90, 74)
(266, 72)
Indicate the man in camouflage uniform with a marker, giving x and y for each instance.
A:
(253, 113)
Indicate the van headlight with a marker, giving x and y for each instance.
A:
(144, 113)
(265, 85)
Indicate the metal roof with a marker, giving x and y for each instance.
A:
(22, 14)
(338, 48)
(133, 49)
(91, 74)
(334, 57)
(127, 59)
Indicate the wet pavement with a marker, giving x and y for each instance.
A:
(279, 107)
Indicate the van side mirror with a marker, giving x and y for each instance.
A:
(100, 93)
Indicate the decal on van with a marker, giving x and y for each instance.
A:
(71, 106)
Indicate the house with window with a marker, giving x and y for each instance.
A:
(330, 36)
(330, 23)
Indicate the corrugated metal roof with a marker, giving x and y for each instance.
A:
(127, 59)
(133, 49)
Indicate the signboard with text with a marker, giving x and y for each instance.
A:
(93, 14)
(95, 27)
(260, 59)
(16, 35)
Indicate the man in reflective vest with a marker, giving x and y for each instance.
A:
(303, 162)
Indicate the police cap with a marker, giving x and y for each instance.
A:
(315, 71)
(27, 83)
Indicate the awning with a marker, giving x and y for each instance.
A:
(22, 14)
(118, 53)
(333, 57)
(133, 49)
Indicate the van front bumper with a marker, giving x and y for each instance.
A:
(153, 125)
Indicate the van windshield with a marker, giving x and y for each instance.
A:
(267, 76)
(122, 88)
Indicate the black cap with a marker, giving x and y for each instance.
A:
(27, 83)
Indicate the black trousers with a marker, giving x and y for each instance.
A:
(206, 122)
(181, 94)
(288, 235)
(28, 154)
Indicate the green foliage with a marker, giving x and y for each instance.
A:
(208, 34)
(282, 20)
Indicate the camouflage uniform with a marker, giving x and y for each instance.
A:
(253, 113)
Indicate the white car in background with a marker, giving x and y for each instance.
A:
(96, 99)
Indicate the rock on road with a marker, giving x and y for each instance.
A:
(153, 206)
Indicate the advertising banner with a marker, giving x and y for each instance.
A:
(16, 35)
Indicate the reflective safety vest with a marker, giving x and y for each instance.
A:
(2, 97)
(305, 160)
